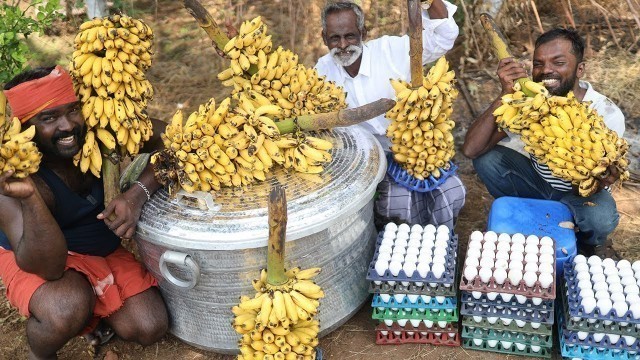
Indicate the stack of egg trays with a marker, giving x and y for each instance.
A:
(435, 335)
(445, 286)
(471, 307)
(499, 325)
(572, 347)
(580, 323)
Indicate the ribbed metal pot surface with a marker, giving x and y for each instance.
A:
(205, 252)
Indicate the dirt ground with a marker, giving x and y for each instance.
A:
(183, 74)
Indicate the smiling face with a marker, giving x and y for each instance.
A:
(60, 130)
(343, 38)
(557, 67)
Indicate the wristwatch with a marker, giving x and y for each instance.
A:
(426, 4)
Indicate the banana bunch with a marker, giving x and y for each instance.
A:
(277, 75)
(17, 152)
(305, 154)
(108, 67)
(420, 128)
(278, 322)
(566, 135)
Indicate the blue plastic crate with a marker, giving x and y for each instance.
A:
(402, 178)
(449, 303)
(535, 217)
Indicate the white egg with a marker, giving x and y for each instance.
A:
(416, 228)
(415, 236)
(632, 298)
(613, 338)
(428, 236)
(516, 266)
(443, 229)
(516, 257)
(381, 267)
(397, 257)
(441, 244)
(579, 259)
(587, 293)
(485, 274)
(582, 335)
(470, 272)
(394, 267)
(536, 301)
(504, 237)
(471, 262)
(545, 268)
(438, 270)
(502, 254)
(506, 297)
(545, 279)
(389, 235)
(624, 272)
(620, 308)
(404, 227)
(636, 266)
(598, 277)
(428, 245)
(476, 236)
(442, 236)
(429, 228)
(426, 258)
(489, 247)
(582, 276)
(506, 321)
(503, 246)
(517, 248)
(547, 249)
(600, 286)
(501, 264)
(399, 250)
(531, 258)
(532, 239)
(439, 259)
(608, 262)
(635, 311)
(414, 322)
(492, 343)
(401, 243)
(515, 276)
(506, 344)
(530, 278)
(545, 240)
(596, 269)
(428, 323)
(409, 268)
(384, 257)
(411, 250)
(385, 297)
(385, 249)
(500, 275)
(632, 289)
(520, 323)
(531, 249)
(399, 298)
(410, 258)
(533, 267)
(492, 319)
(391, 227)
(601, 294)
(614, 288)
(490, 236)
(616, 297)
(581, 267)
(518, 238)
(613, 279)
(492, 295)
(623, 264)
(402, 235)
(474, 244)
(546, 259)
(521, 346)
(629, 340)
(589, 304)
(486, 262)
(416, 244)
(387, 242)
(423, 268)
(594, 260)
(604, 306)
(488, 254)
(598, 336)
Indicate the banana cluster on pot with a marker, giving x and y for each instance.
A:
(565, 134)
(278, 322)
(17, 152)
(232, 146)
(108, 67)
(277, 74)
(420, 129)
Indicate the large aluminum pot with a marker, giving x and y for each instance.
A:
(205, 252)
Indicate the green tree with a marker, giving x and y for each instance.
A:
(15, 25)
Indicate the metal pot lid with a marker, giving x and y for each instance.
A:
(233, 218)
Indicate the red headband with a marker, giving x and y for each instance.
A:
(29, 98)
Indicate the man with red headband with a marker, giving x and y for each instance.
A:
(60, 254)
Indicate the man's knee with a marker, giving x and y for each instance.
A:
(145, 319)
(488, 163)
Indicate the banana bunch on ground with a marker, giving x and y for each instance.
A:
(17, 152)
(233, 146)
(108, 67)
(420, 128)
(278, 322)
(566, 135)
(277, 75)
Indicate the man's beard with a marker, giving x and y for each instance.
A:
(347, 56)
(563, 88)
(51, 148)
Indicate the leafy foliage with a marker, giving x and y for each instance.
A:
(17, 24)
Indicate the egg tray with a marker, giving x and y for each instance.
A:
(452, 247)
(403, 178)
(576, 309)
(587, 352)
(498, 301)
(470, 309)
(590, 325)
(571, 337)
(449, 290)
(543, 329)
(522, 338)
(544, 352)
(440, 315)
(452, 326)
(449, 303)
(417, 337)
(448, 277)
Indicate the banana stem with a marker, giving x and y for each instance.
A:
(500, 47)
(206, 22)
(110, 176)
(415, 42)
(277, 234)
(338, 118)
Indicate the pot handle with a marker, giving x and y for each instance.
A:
(182, 260)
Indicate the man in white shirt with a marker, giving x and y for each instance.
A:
(507, 170)
(364, 70)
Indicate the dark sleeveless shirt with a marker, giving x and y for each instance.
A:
(76, 216)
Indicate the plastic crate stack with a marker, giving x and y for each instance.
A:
(413, 279)
(600, 315)
(508, 291)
